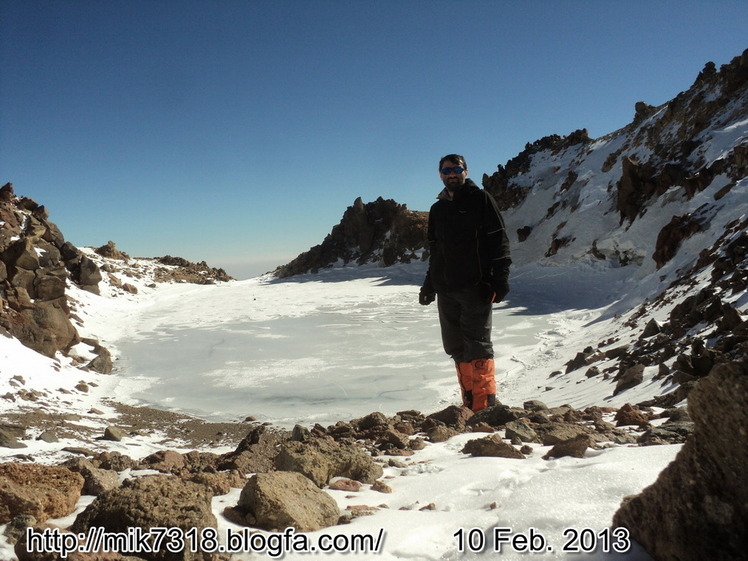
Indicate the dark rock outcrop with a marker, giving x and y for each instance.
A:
(382, 232)
(698, 507)
(501, 183)
(182, 270)
(36, 262)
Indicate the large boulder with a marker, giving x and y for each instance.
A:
(40, 491)
(282, 499)
(89, 275)
(47, 327)
(155, 501)
(630, 377)
(698, 507)
(320, 460)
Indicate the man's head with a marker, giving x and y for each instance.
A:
(453, 171)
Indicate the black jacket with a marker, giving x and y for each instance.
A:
(467, 240)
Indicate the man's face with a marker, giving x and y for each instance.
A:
(454, 178)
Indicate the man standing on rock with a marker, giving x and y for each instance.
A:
(468, 272)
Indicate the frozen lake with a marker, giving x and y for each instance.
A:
(323, 349)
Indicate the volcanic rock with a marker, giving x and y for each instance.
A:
(492, 446)
(161, 501)
(320, 460)
(698, 507)
(382, 232)
(40, 491)
(280, 500)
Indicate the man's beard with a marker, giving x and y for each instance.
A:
(453, 183)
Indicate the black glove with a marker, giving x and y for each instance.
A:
(499, 288)
(427, 293)
(425, 296)
(499, 285)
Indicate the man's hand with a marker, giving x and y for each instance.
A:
(425, 296)
(500, 288)
(427, 293)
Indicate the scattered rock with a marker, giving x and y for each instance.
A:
(534, 406)
(453, 416)
(96, 480)
(167, 461)
(256, 453)
(521, 430)
(631, 377)
(48, 436)
(16, 528)
(282, 499)
(381, 487)
(321, 460)
(497, 415)
(557, 432)
(218, 483)
(395, 439)
(441, 433)
(344, 484)
(652, 329)
(40, 491)
(370, 421)
(491, 446)
(8, 440)
(668, 433)
(114, 433)
(574, 447)
(629, 415)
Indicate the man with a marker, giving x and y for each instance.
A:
(468, 271)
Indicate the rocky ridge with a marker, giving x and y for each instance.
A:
(662, 148)
(37, 264)
(677, 170)
(382, 232)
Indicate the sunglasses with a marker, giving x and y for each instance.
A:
(457, 169)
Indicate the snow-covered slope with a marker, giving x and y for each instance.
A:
(609, 199)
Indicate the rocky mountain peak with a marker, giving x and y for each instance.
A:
(570, 197)
(381, 231)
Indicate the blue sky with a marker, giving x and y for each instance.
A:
(239, 132)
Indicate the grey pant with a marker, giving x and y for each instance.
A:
(465, 317)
